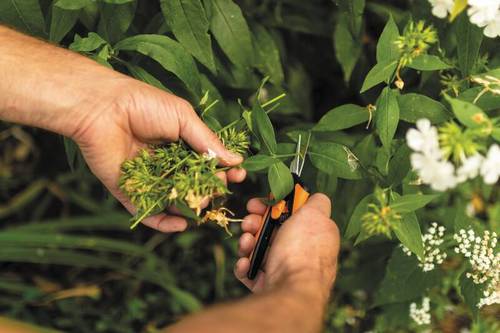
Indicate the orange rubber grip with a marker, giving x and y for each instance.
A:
(300, 197)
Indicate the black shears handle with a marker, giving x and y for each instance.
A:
(273, 218)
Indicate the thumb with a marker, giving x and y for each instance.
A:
(321, 203)
(194, 131)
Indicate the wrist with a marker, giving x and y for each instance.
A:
(312, 284)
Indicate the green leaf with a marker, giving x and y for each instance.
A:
(365, 150)
(404, 280)
(471, 293)
(25, 15)
(486, 102)
(386, 47)
(382, 158)
(495, 134)
(326, 183)
(353, 11)
(57, 240)
(470, 37)
(347, 49)
(280, 180)
(116, 17)
(413, 107)
(62, 21)
(88, 44)
(258, 162)
(467, 113)
(408, 232)
(117, 2)
(381, 72)
(341, 117)
(141, 74)
(186, 211)
(387, 116)
(411, 202)
(168, 53)
(73, 4)
(399, 165)
(355, 222)
(427, 62)
(231, 31)
(263, 129)
(267, 55)
(334, 159)
(71, 150)
(189, 24)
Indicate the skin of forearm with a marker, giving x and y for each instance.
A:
(292, 309)
(45, 86)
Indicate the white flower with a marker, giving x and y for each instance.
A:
(485, 13)
(470, 167)
(432, 241)
(490, 169)
(421, 316)
(440, 175)
(484, 260)
(424, 139)
(492, 29)
(441, 8)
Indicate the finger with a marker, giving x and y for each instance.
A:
(241, 270)
(236, 175)
(256, 206)
(166, 223)
(222, 176)
(320, 202)
(200, 137)
(246, 244)
(251, 223)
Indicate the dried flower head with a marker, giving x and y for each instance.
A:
(416, 40)
(220, 217)
(380, 217)
(174, 174)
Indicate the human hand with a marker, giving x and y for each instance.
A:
(110, 115)
(304, 250)
(132, 115)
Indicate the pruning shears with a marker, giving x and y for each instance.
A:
(276, 214)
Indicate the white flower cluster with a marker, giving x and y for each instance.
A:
(421, 315)
(484, 260)
(483, 13)
(432, 253)
(427, 160)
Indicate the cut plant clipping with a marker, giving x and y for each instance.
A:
(397, 102)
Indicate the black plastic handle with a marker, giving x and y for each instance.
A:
(263, 240)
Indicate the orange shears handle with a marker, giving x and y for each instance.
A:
(273, 217)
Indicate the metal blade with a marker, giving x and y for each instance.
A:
(296, 163)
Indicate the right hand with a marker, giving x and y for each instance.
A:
(304, 250)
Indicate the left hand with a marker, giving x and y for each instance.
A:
(132, 116)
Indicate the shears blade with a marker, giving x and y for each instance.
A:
(299, 160)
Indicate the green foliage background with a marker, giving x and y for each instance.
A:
(59, 230)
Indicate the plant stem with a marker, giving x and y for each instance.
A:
(233, 123)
